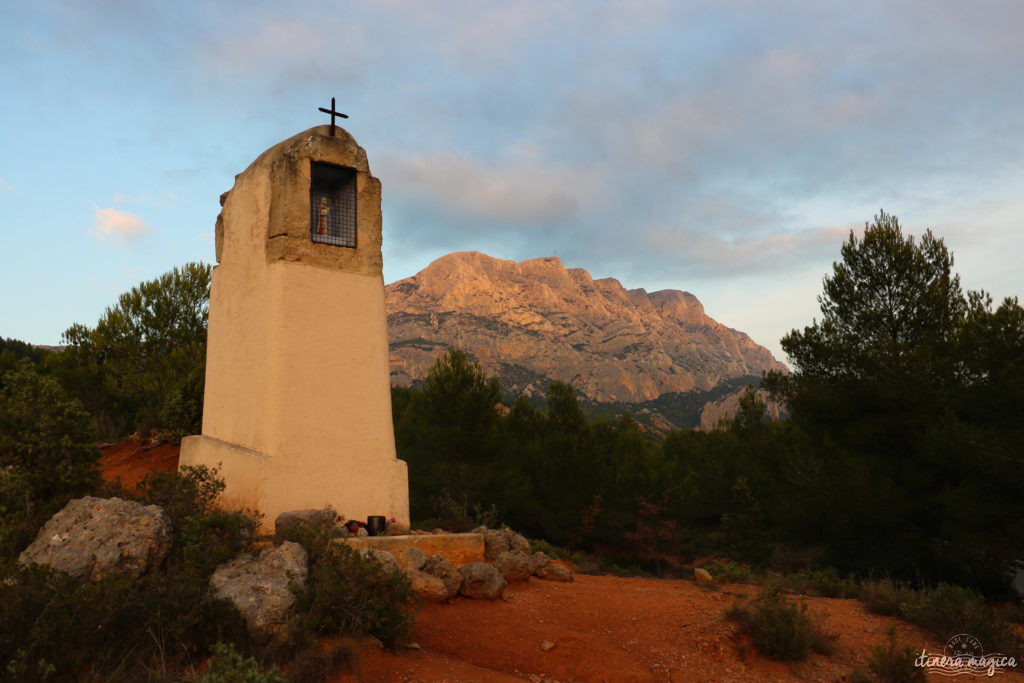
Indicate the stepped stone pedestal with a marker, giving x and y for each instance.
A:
(458, 549)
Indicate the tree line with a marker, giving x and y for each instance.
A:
(901, 457)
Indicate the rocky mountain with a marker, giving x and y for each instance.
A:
(533, 322)
(727, 407)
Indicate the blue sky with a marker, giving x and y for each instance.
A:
(724, 148)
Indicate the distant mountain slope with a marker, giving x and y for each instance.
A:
(533, 322)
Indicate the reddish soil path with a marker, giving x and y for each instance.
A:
(613, 629)
(601, 628)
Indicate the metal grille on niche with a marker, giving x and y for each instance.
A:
(332, 205)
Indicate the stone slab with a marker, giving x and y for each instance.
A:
(458, 549)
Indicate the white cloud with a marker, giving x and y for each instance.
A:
(286, 51)
(513, 192)
(124, 227)
(710, 256)
(6, 186)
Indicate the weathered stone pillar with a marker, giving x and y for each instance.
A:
(298, 403)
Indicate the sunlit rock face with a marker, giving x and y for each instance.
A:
(533, 322)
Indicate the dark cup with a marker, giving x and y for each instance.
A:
(376, 525)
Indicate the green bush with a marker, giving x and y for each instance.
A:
(946, 610)
(827, 583)
(117, 628)
(229, 666)
(894, 663)
(206, 541)
(781, 629)
(459, 516)
(729, 572)
(189, 492)
(114, 626)
(883, 596)
(588, 563)
(54, 626)
(350, 594)
(539, 545)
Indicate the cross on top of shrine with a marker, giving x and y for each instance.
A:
(333, 113)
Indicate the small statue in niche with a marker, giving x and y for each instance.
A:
(323, 211)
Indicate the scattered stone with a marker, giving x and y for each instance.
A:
(409, 557)
(102, 538)
(702, 576)
(547, 645)
(497, 541)
(362, 532)
(538, 560)
(543, 567)
(440, 568)
(513, 566)
(552, 572)
(481, 581)
(384, 557)
(426, 587)
(413, 646)
(323, 518)
(260, 587)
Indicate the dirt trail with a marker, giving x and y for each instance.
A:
(613, 629)
(600, 628)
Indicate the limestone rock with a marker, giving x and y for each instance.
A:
(101, 538)
(259, 586)
(323, 518)
(497, 541)
(702, 575)
(409, 557)
(552, 572)
(727, 407)
(514, 566)
(481, 581)
(538, 560)
(439, 567)
(533, 322)
(426, 587)
(384, 557)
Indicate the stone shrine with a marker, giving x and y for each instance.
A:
(297, 410)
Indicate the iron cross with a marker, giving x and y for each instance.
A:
(333, 114)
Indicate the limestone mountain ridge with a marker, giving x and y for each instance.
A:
(532, 322)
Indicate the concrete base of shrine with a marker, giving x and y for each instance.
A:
(458, 549)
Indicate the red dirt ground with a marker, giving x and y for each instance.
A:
(601, 628)
(612, 629)
(132, 460)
